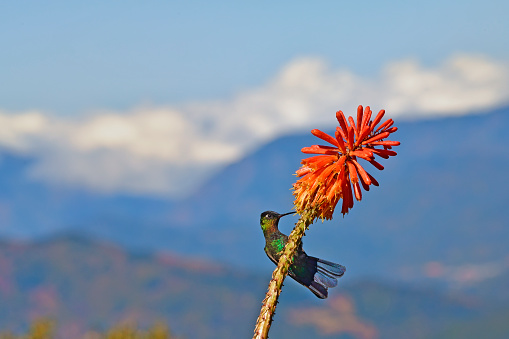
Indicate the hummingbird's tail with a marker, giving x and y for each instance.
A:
(325, 277)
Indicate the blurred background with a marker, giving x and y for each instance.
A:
(140, 143)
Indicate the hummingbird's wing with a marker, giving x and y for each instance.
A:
(316, 274)
(330, 270)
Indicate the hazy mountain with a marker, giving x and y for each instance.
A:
(440, 207)
(83, 284)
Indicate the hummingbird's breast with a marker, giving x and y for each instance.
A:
(274, 246)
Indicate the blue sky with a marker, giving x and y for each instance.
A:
(145, 98)
(68, 57)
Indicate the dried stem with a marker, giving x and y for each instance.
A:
(278, 276)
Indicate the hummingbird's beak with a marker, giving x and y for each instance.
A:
(282, 215)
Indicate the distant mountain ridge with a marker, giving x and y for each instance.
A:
(442, 199)
(84, 284)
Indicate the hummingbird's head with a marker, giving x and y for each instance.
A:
(270, 219)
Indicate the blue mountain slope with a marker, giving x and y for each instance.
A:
(84, 284)
(443, 198)
(30, 209)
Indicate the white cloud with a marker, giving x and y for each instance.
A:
(17, 132)
(462, 84)
(167, 150)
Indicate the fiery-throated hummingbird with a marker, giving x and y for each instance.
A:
(316, 274)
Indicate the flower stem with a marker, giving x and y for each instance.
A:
(278, 276)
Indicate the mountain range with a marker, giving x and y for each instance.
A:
(426, 252)
(441, 201)
(88, 285)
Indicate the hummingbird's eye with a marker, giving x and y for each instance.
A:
(266, 215)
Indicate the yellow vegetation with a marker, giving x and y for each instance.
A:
(45, 329)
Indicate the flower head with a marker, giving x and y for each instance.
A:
(329, 176)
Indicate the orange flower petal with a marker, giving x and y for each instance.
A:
(357, 191)
(350, 137)
(364, 185)
(362, 136)
(386, 151)
(340, 164)
(362, 172)
(324, 137)
(342, 123)
(365, 119)
(386, 124)
(340, 141)
(323, 176)
(376, 164)
(341, 133)
(353, 171)
(319, 149)
(383, 153)
(303, 171)
(376, 138)
(349, 199)
(359, 118)
(347, 193)
(352, 125)
(373, 180)
(386, 143)
(363, 153)
(333, 192)
(378, 117)
(318, 161)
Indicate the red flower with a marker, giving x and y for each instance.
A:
(328, 177)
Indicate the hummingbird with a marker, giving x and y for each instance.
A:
(314, 273)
